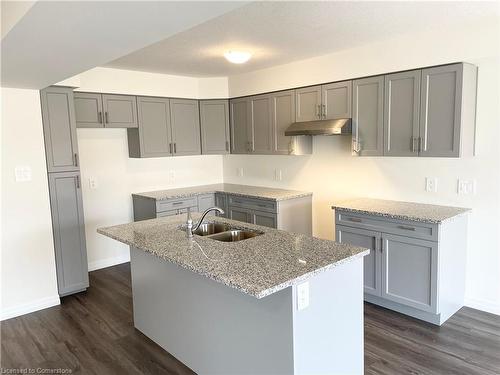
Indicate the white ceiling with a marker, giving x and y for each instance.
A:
(281, 32)
(53, 40)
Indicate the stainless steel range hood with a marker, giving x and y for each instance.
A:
(320, 127)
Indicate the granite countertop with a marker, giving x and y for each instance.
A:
(257, 266)
(427, 213)
(241, 190)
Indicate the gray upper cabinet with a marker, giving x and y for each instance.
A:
(308, 103)
(367, 116)
(69, 232)
(240, 125)
(336, 100)
(447, 111)
(401, 113)
(260, 124)
(120, 111)
(283, 110)
(153, 137)
(185, 120)
(214, 122)
(409, 271)
(88, 110)
(59, 129)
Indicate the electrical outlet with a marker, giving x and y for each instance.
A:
(466, 187)
(302, 296)
(22, 173)
(431, 184)
(278, 176)
(171, 176)
(92, 183)
(239, 172)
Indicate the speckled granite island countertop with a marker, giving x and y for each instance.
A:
(241, 190)
(427, 213)
(257, 266)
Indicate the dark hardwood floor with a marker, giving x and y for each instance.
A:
(93, 333)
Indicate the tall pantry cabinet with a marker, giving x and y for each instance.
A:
(63, 166)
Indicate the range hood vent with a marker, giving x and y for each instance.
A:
(320, 127)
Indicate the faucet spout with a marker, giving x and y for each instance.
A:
(190, 227)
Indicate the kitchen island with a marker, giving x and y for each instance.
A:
(274, 303)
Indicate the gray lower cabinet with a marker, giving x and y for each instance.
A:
(367, 116)
(240, 125)
(185, 122)
(372, 276)
(221, 202)
(88, 110)
(95, 110)
(153, 137)
(401, 113)
(69, 232)
(415, 268)
(59, 129)
(240, 214)
(214, 123)
(206, 201)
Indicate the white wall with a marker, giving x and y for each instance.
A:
(332, 174)
(104, 157)
(27, 254)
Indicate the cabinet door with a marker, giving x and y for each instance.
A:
(336, 100)
(69, 232)
(240, 126)
(88, 110)
(441, 110)
(308, 103)
(206, 201)
(185, 119)
(59, 129)
(372, 262)
(401, 113)
(214, 122)
(221, 202)
(120, 111)
(283, 112)
(367, 116)
(265, 219)
(260, 124)
(154, 127)
(240, 214)
(409, 271)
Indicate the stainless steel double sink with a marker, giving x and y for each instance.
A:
(224, 232)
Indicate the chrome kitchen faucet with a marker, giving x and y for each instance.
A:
(190, 228)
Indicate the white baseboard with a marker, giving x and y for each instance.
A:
(108, 262)
(488, 306)
(27, 308)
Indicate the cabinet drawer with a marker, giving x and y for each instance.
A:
(257, 204)
(175, 204)
(176, 212)
(406, 228)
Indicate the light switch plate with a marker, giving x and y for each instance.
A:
(302, 296)
(171, 176)
(466, 187)
(239, 172)
(431, 184)
(92, 183)
(22, 173)
(278, 176)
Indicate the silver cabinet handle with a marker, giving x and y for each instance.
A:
(318, 113)
(177, 203)
(227, 146)
(77, 181)
(170, 147)
(420, 141)
(324, 110)
(106, 119)
(356, 220)
(405, 227)
(413, 147)
(175, 148)
(99, 117)
(76, 159)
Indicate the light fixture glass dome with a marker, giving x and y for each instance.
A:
(237, 57)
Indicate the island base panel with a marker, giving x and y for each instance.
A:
(215, 329)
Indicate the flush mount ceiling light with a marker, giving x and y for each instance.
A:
(237, 57)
